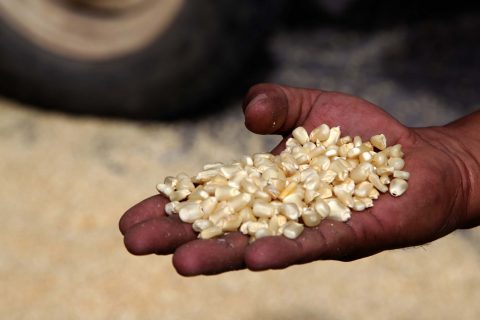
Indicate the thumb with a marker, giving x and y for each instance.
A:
(276, 109)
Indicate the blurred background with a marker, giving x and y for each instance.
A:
(101, 99)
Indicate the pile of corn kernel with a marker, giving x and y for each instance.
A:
(318, 175)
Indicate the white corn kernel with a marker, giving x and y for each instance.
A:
(263, 232)
(379, 141)
(246, 161)
(301, 135)
(231, 222)
(210, 232)
(215, 165)
(208, 205)
(365, 157)
(247, 215)
(253, 227)
(172, 207)
(190, 212)
(292, 229)
(338, 211)
(363, 189)
(322, 208)
(165, 189)
(322, 162)
(396, 163)
(320, 134)
(375, 180)
(396, 151)
(185, 184)
(379, 159)
(401, 174)
(385, 178)
(374, 194)
(343, 196)
(358, 205)
(357, 141)
(206, 175)
(240, 201)
(290, 210)
(220, 213)
(226, 193)
(289, 189)
(201, 224)
(229, 171)
(311, 218)
(354, 152)
(198, 194)
(170, 181)
(361, 172)
(179, 195)
(292, 143)
(398, 187)
(333, 137)
(263, 209)
(384, 170)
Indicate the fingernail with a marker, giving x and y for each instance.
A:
(258, 99)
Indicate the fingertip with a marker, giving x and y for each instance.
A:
(137, 244)
(158, 235)
(265, 109)
(186, 264)
(212, 256)
(152, 207)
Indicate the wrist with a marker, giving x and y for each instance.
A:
(464, 144)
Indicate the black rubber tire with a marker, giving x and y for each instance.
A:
(204, 49)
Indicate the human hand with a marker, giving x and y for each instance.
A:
(435, 204)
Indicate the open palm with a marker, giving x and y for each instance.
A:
(431, 208)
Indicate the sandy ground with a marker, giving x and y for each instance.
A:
(65, 181)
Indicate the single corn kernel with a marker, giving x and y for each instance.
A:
(375, 180)
(363, 189)
(322, 208)
(165, 189)
(301, 135)
(231, 223)
(263, 232)
(379, 159)
(211, 232)
(398, 187)
(396, 151)
(292, 230)
(396, 163)
(338, 211)
(311, 218)
(172, 207)
(320, 133)
(190, 212)
(226, 193)
(379, 141)
(290, 210)
(263, 210)
(401, 174)
(289, 189)
(208, 205)
(333, 137)
(179, 195)
(201, 224)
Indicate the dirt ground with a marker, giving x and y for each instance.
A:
(67, 180)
